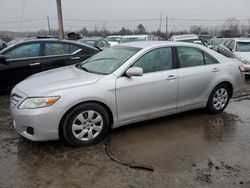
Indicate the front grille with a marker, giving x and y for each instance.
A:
(15, 99)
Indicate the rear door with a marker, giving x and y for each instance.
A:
(58, 54)
(24, 60)
(197, 70)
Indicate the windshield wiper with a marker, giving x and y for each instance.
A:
(84, 68)
(101, 59)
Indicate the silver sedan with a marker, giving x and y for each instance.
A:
(124, 84)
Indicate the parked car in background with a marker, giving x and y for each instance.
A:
(205, 38)
(113, 39)
(18, 40)
(124, 84)
(190, 38)
(5, 38)
(98, 43)
(133, 38)
(19, 61)
(238, 48)
(2, 44)
(215, 42)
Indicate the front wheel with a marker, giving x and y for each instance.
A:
(218, 99)
(85, 124)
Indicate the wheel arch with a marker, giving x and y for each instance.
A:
(227, 83)
(111, 116)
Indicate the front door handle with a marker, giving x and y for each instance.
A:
(34, 64)
(215, 70)
(171, 77)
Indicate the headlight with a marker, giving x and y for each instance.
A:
(38, 102)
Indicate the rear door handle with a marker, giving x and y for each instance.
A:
(34, 64)
(74, 58)
(215, 70)
(171, 77)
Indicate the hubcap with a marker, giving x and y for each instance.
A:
(87, 125)
(220, 99)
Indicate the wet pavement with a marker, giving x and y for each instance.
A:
(192, 149)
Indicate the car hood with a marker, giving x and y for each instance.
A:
(243, 55)
(56, 79)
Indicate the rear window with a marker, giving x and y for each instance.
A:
(243, 47)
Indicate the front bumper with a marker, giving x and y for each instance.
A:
(44, 122)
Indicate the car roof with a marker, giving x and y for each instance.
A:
(184, 37)
(149, 44)
(134, 36)
(242, 39)
(48, 40)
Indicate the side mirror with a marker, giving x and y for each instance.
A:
(3, 60)
(231, 50)
(134, 71)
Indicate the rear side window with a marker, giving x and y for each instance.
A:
(226, 44)
(73, 48)
(231, 45)
(190, 57)
(24, 51)
(56, 48)
(209, 60)
(156, 60)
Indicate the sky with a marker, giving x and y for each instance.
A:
(31, 15)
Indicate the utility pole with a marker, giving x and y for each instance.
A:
(166, 27)
(60, 19)
(160, 23)
(48, 25)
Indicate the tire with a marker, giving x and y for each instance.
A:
(85, 124)
(218, 99)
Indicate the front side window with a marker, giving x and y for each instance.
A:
(190, 57)
(24, 51)
(109, 60)
(56, 48)
(156, 60)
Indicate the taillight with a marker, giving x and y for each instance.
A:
(242, 68)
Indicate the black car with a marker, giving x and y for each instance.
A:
(23, 59)
(98, 43)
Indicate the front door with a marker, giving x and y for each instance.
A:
(23, 61)
(154, 92)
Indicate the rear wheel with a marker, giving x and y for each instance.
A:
(218, 99)
(86, 124)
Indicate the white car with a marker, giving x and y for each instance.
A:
(238, 48)
(133, 38)
(113, 39)
(191, 38)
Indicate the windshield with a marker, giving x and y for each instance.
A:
(243, 47)
(108, 60)
(217, 41)
(123, 40)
